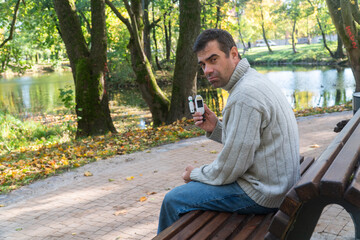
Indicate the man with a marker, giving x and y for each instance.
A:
(259, 161)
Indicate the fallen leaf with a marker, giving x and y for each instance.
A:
(88, 174)
(130, 178)
(121, 212)
(111, 180)
(213, 151)
(143, 199)
(2, 205)
(151, 193)
(314, 146)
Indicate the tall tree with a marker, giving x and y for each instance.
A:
(88, 66)
(184, 83)
(346, 17)
(316, 11)
(145, 78)
(260, 12)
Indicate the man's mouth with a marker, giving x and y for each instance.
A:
(212, 79)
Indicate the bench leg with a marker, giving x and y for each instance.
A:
(309, 215)
(306, 220)
(355, 215)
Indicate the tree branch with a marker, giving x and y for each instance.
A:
(12, 28)
(121, 17)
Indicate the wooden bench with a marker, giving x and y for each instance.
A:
(334, 178)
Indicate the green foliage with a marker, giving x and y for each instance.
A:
(67, 97)
(15, 133)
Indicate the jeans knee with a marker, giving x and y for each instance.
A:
(169, 198)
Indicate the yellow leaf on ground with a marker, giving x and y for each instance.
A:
(151, 193)
(143, 199)
(314, 146)
(2, 205)
(130, 178)
(121, 212)
(88, 174)
(213, 151)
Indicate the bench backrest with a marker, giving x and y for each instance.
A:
(333, 178)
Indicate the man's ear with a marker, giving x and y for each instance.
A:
(234, 52)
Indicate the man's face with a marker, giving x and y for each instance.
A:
(216, 66)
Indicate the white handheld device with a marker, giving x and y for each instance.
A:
(191, 105)
(199, 104)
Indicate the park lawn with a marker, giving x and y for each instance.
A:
(283, 54)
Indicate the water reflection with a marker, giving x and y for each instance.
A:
(303, 87)
(26, 95)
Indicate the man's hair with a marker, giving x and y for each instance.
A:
(225, 40)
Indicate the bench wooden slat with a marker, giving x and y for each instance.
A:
(236, 221)
(169, 232)
(304, 166)
(308, 186)
(353, 192)
(336, 178)
(196, 224)
(280, 224)
(291, 201)
(288, 207)
(212, 226)
(256, 228)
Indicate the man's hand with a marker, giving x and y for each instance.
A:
(186, 174)
(211, 120)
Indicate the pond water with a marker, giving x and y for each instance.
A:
(303, 87)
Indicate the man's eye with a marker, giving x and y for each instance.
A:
(213, 60)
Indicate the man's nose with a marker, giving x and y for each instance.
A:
(208, 69)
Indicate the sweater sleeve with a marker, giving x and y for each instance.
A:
(216, 135)
(241, 136)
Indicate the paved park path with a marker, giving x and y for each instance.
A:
(122, 198)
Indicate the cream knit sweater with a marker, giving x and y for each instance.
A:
(260, 140)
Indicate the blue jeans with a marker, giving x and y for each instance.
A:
(201, 196)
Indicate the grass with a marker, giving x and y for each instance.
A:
(283, 54)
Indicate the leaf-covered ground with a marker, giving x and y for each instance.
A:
(28, 163)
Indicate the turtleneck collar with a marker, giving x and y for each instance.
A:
(238, 73)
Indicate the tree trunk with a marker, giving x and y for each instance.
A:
(339, 51)
(185, 72)
(293, 37)
(344, 15)
(88, 67)
(323, 34)
(145, 78)
(263, 31)
(155, 40)
(147, 30)
(12, 26)
(167, 38)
